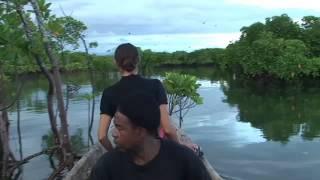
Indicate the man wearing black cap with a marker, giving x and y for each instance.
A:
(140, 154)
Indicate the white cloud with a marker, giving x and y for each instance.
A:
(168, 25)
(150, 16)
(166, 42)
(280, 4)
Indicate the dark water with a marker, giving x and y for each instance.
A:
(246, 133)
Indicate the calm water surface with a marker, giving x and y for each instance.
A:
(246, 133)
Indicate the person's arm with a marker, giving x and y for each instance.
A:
(167, 126)
(107, 111)
(104, 125)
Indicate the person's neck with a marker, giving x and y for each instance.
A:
(147, 151)
(126, 73)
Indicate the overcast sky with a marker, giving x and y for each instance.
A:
(170, 25)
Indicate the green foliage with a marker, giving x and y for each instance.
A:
(252, 33)
(93, 44)
(278, 57)
(66, 31)
(182, 93)
(88, 96)
(72, 61)
(103, 63)
(12, 41)
(77, 61)
(16, 51)
(182, 85)
(311, 34)
(44, 8)
(77, 141)
(280, 49)
(213, 56)
(283, 27)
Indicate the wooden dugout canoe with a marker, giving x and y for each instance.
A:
(82, 169)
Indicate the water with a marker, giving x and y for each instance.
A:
(246, 133)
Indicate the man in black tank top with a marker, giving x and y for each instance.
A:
(139, 154)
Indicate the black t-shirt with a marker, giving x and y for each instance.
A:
(173, 162)
(130, 85)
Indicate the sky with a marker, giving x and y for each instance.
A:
(172, 25)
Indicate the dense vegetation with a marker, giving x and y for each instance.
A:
(32, 39)
(71, 61)
(279, 48)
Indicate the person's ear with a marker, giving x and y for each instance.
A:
(141, 132)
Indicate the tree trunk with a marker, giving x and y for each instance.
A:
(89, 107)
(1, 150)
(45, 71)
(4, 135)
(19, 129)
(91, 75)
(180, 113)
(66, 145)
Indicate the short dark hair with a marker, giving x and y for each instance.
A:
(142, 110)
(127, 56)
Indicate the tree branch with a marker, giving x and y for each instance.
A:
(57, 171)
(15, 99)
(27, 159)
